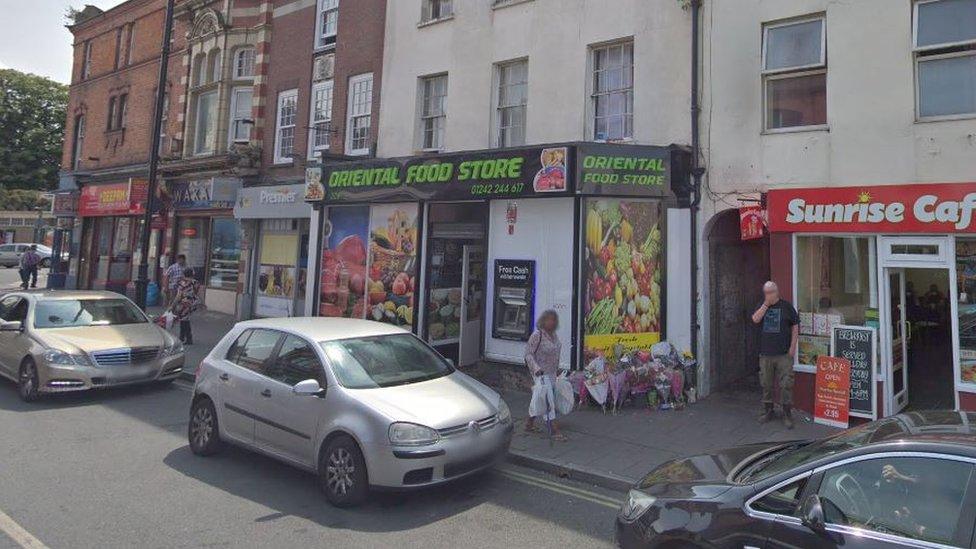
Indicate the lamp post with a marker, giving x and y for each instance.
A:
(142, 277)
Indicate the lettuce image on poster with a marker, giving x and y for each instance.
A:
(344, 263)
(622, 301)
(392, 263)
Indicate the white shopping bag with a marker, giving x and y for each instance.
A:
(543, 401)
(564, 396)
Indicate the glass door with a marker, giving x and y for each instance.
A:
(898, 337)
(472, 304)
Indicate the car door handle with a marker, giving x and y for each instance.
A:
(266, 393)
(224, 377)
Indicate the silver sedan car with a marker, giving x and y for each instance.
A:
(361, 404)
(57, 341)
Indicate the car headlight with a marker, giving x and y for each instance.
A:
(635, 506)
(61, 358)
(411, 434)
(174, 348)
(504, 413)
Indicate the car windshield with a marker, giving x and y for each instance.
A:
(786, 457)
(69, 313)
(384, 361)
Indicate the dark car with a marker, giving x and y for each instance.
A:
(904, 481)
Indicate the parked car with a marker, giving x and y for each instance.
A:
(10, 254)
(904, 481)
(359, 403)
(58, 341)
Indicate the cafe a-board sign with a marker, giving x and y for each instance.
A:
(545, 170)
(859, 346)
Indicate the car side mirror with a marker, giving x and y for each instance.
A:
(14, 326)
(309, 387)
(812, 514)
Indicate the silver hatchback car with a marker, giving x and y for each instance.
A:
(361, 404)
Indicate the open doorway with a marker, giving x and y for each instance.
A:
(929, 339)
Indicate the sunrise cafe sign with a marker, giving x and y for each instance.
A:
(916, 208)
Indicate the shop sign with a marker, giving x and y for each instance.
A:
(65, 204)
(918, 208)
(128, 198)
(858, 346)
(314, 189)
(750, 223)
(831, 404)
(623, 170)
(205, 194)
(274, 202)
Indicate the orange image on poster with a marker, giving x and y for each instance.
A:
(831, 404)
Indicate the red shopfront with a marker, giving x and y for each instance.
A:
(112, 218)
(894, 261)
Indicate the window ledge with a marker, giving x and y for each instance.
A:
(507, 3)
(325, 48)
(283, 163)
(430, 22)
(804, 368)
(945, 118)
(797, 129)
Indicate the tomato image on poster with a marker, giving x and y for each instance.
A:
(622, 301)
(392, 263)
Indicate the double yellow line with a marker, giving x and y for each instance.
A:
(572, 491)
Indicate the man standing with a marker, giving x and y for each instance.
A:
(29, 261)
(172, 276)
(777, 347)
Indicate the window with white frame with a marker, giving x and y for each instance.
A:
(359, 114)
(285, 132)
(205, 133)
(244, 63)
(320, 117)
(794, 72)
(511, 96)
(433, 112)
(79, 141)
(945, 58)
(612, 91)
(326, 22)
(437, 9)
(240, 115)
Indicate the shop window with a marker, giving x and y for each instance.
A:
(795, 74)
(966, 308)
(191, 241)
(277, 267)
(225, 253)
(612, 91)
(433, 112)
(511, 98)
(437, 9)
(320, 117)
(285, 127)
(360, 114)
(945, 58)
(836, 283)
(326, 23)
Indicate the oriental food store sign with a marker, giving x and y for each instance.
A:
(919, 208)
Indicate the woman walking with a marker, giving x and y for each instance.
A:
(542, 358)
(186, 300)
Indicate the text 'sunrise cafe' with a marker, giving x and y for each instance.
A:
(467, 248)
(899, 259)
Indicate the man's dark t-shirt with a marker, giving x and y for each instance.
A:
(776, 329)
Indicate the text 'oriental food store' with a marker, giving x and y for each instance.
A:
(466, 249)
(896, 263)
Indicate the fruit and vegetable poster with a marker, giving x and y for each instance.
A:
(392, 263)
(276, 275)
(623, 274)
(343, 283)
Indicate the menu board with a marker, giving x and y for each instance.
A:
(858, 345)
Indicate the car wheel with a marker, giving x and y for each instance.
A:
(342, 473)
(27, 381)
(203, 431)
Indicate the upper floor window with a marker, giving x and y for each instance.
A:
(945, 58)
(199, 69)
(244, 63)
(123, 110)
(79, 142)
(112, 113)
(119, 34)
(433, 112)
(86, 56)
(794, 69)
(320, 119)
(118, 107)
(359, 117)
(326, 22)
(511, 97)
(214, 65)
(240, 115)
(205, 132)
(164, 118)
(285, 126)
(129, 43)
(612, 91)
(437, 9)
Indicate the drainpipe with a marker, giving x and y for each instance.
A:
(696, 173)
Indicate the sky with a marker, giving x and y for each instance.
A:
(33, 38)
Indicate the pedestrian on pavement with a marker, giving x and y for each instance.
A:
(777, 347)
(29, 262)
(186, 300)
(542, 358)
(172, 276)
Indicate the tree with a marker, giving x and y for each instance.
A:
(21, 199)
(32, 114)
